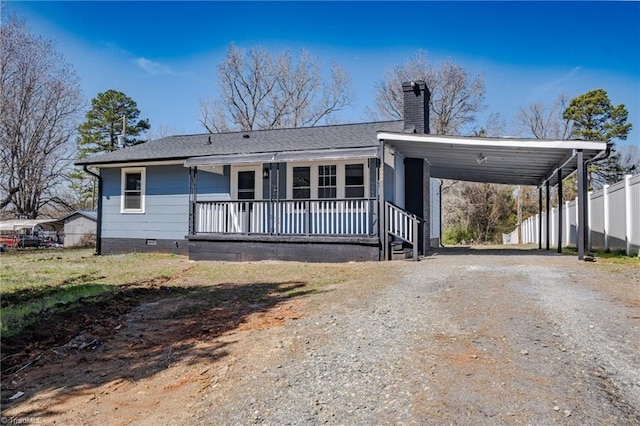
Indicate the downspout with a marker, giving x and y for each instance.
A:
(587, 231)
(99, 218)
(606, 155)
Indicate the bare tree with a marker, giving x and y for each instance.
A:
(479, 212)
(40, 100)
(160, 131)
(260, 91)
(457, 96)
(544, 122)
(629, 158)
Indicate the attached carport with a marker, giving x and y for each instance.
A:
(535, 162)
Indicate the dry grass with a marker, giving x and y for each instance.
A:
(37, 280)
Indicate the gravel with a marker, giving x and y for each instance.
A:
(460, 338)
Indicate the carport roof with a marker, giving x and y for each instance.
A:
(494, 160)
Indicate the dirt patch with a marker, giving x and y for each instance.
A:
(133, 348)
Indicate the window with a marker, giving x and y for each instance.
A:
(301, 183)
(327, 181)
(312, 180)
(133, 188)
(247, 185)
(354, 181)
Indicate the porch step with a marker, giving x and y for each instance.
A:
(400, 251)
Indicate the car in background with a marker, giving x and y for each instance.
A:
(25, 240)
(8, 241)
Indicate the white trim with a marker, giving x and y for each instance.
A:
(258, 180)
(340, 176)
(143, 189)
(497, 143)
(137, 164)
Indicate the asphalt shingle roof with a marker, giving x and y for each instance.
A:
(297, 139)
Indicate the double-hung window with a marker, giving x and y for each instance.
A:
(314, 180)
(354, 181)
(327, 184)
(301, 183)
(133, 189)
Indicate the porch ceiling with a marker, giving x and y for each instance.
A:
(283, 156)
(494, 160)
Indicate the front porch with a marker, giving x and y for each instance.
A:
(305, 230)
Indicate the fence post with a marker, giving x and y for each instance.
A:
(578, 200)
(589, 217)
(567, 229)
(552, 228)
(628, 212)
(539, 219)
(560, 207)
(605, 202)
(548, 216)
(416, 223)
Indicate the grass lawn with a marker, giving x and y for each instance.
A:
(36, 281)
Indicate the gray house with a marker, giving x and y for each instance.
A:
(328, 193)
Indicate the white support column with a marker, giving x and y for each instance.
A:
(567, 229)
(605, 199)
(578, 200)
(627, 212)
(552, 226)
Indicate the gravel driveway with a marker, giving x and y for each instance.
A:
(461, 337)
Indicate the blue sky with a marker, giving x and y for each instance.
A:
(164, 54)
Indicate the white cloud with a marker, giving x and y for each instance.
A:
(558, 84)
(154, 68)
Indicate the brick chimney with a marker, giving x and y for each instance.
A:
(416, 106)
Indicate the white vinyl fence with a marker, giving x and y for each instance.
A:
(613, 220)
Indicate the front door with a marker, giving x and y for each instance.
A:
(246, 185)
(248, 188)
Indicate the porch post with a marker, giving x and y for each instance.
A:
(540, 218)
(560, 205)
(193, 198)
(581, 207)
(548, 216)
(382, 220)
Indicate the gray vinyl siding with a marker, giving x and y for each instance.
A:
(166, 213)
(213, 186)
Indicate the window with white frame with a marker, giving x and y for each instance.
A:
(301, 188)
(133, 189)
(314, 180)
(354, 181)
(327, 182)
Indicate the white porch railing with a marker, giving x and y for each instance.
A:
(403, 225)
(289, 217)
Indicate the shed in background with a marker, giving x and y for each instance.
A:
(80, 228)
